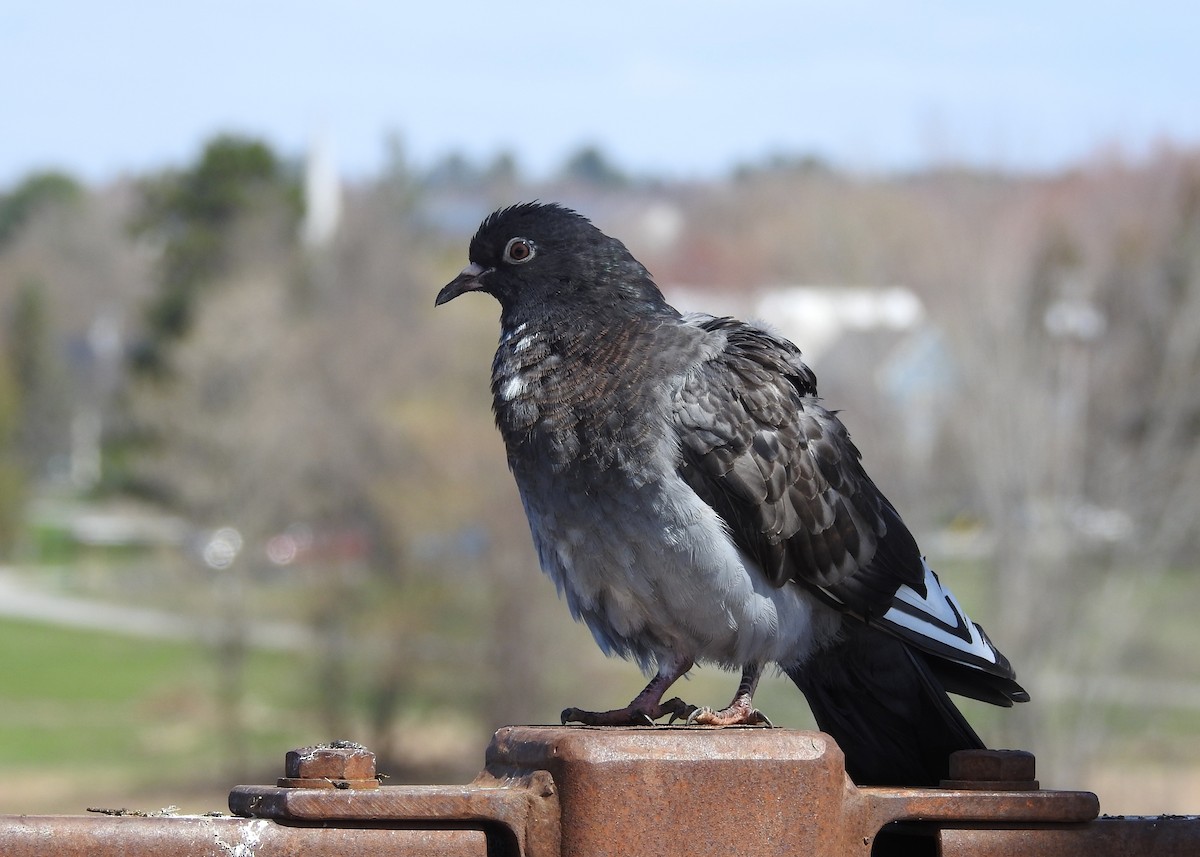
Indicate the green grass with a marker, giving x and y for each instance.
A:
(50, 664)
(139, 709)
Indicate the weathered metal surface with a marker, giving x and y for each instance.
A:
(992, 770)
(643, 791)
(574, 791)
(1164, 836)
(196, 836)
(595, 791)
(340, 765)
(649, 791)
(521, 810)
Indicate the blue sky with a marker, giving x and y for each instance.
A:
(679, 88)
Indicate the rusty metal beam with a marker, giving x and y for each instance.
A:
(198, 836)
(1118, 836)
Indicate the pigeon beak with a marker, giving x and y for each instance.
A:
(467, 281)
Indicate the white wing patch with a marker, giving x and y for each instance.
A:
(506, 335)
(512, 388)
(939, 625)
(524, 342)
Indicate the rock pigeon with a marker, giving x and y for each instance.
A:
(695, 503)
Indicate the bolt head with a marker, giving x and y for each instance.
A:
(990, 765)
(339, 760)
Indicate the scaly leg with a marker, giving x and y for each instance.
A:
(646, 707)
(741, 711)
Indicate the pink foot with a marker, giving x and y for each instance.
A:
(739, 713)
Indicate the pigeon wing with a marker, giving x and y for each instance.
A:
(757, 445)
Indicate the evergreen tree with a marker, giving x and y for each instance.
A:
(196, 214)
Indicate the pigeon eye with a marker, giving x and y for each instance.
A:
(518, 250)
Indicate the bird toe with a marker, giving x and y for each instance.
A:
(678, 709)
(732, 716)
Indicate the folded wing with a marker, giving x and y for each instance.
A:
(759, 447)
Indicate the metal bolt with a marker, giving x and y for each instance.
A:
(338, 764)
(992, 770)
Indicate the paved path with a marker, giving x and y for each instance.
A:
(19, 600)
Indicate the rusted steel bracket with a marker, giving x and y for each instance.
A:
(594, 791)
(752, 791)
(519, 815)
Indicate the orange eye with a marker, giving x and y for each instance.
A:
(518, 250)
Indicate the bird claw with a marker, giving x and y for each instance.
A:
(679, 709)
(732, 716)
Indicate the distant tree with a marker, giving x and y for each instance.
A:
(399, 181)
(783, 163)
(27, 329)
(1079, 333)
(36, 373)
(197, 214)
(12, 476)
(453, 170)
(591, 166)
(503, 170)
(36, 191)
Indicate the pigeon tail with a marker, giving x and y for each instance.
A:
(885, 707)
(956, 649)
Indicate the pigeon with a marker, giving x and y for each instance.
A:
(694, 502)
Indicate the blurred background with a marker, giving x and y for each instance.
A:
(251, 497)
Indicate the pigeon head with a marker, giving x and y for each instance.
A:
(535, 256)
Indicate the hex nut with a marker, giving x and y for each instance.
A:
(996, 770)
(340, 760)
